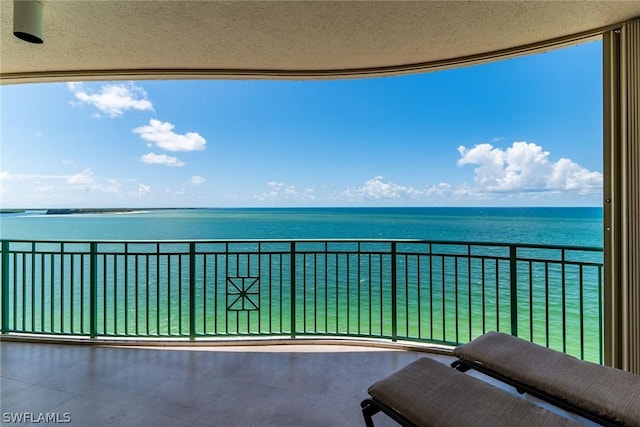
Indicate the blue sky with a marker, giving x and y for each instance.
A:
(521, 132)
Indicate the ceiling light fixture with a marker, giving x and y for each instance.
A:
(27, 20)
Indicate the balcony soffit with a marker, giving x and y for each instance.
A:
(116, 39)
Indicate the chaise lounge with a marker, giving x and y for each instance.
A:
(429, 393)
(608, 396)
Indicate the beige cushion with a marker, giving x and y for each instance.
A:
(602, 390)
(429, 393)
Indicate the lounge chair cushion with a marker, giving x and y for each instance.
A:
(608, 392)
(429, 393)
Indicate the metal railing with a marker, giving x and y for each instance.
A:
(428, 291)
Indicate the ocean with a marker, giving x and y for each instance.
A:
(444, 293)
(573, 226)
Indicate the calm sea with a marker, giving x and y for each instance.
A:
(563, 226)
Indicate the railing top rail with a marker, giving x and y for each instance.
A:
(336, 240)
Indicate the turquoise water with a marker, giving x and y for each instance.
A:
(441, 299)
(562, 226)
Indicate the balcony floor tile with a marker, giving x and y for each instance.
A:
(272, 385)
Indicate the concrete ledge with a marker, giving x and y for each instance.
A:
(226, 342)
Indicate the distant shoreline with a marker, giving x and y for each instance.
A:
(66, 211)
(88, 211)
(85, 211)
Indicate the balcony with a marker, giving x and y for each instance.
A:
(198, 294)
(421, 292)
(275, 385)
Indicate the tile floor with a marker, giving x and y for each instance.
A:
(266, 385)
(275, 385)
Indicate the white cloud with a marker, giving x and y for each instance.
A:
(378, 189)
(374, 190)
(113, 186)
(520, 174)
(525, 167)
(279, 191)
(568, 175)
(161, 134)
(113, 99)
(58, 190)
(142, 191)
(84, 178)
(197, 180)
(491, 161)
(441, 189)
(4, 175)
(78, 189)
(161, 159)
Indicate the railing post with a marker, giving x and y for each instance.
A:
(394, 294)
(93, 290)
(292, 276)
(192, 291)
(513, 288)
(600, 316)
(5, 287)
(564, 302)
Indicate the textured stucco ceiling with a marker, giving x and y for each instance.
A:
(297, 39)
